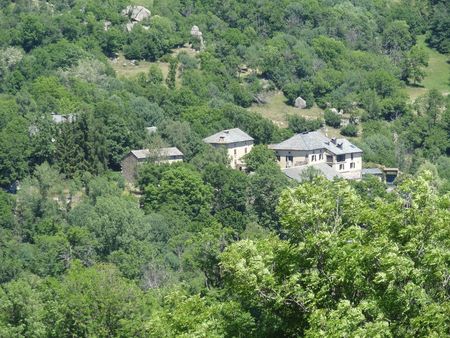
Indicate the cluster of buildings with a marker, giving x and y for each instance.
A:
(332, 157)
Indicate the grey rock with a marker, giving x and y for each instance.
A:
(136, 13)
(300, 103)
(196, 33)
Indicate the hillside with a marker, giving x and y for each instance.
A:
(437, 73)
(157, 180)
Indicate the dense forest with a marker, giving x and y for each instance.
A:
(197, 249)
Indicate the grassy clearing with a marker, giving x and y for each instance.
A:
(276, 109)
(124, 68)
(437, 73)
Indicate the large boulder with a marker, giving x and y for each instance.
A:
(136, 13)
(197, 34)
(195, 31)
(300, 103)
(334, 110)
(106, 25)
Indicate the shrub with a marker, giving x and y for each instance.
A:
(299, 124)
(332, 119)
(350, 130)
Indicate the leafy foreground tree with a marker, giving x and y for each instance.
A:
(346, 267)
(94, 301)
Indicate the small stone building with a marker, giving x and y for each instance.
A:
(136, 157)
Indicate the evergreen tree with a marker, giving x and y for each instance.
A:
(69, 152)
(171, 77)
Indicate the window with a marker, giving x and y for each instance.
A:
(278, 158)
(246, 150)
(235, 152)
(313, 158)
(352, 165)
(351, 156)
(289, 158)
(341, 166)
(320, 157)
(340, 158)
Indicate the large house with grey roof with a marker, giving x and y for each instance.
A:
(237, 143)
(333, 157)
(136, 157)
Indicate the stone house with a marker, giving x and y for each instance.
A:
(237, 143)
(136, 157)
(341, 157)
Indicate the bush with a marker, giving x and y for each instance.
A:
(332, 119)
(350, 130)
(302, 89)
(299, 124)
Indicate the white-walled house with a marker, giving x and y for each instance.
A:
(315, 149)
(237, 143)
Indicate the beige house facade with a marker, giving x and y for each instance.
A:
(314, 148)
(134, 158)
(237, 142)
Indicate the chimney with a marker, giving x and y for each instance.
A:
(333, 140)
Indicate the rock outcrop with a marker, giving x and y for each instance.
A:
(135, 14)
(300, 103)
(106, 25)
(196, 33)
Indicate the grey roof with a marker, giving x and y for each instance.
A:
(171, 151)
(141, 154)
(228, 136)
(325, 169)
(57, 118)
(315, 141)
(372, 171)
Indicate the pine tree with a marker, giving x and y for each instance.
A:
(171, 77)
(69, 154)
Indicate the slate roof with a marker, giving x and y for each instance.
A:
(171, 151)
(325, 169)
(228, 136)
(372, 171)
(142, 154)
(315, 141)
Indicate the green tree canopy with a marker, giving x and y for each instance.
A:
(347, 267)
